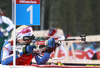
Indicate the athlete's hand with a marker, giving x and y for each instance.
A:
(28, 49)
(51, 43)
(3, 32)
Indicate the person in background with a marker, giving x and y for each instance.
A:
(92, 52)
(6, 26)
(53, 34)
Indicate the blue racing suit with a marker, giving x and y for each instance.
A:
(7, 61)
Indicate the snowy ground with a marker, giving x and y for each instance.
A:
(7, 66)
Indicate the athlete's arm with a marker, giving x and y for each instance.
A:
(6, 20)
(6, 57)
(46, 56)
(42, 60)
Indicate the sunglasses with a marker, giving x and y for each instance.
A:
(25, 38)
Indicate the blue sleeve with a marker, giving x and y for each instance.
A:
(42, 60)
(9, 60)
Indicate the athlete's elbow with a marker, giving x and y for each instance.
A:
(41, 63)
(4, 63)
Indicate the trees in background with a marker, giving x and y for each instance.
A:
(6, 6)
(75, 17)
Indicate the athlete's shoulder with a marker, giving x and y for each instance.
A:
(6, 42)
(7, 46)
(5, 18)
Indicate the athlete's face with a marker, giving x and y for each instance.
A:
(22, 41)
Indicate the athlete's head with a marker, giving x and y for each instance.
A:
(52, 31)
(1, 13)
(22, 33)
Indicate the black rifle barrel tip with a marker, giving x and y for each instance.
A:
(83, 39)
(83, 35)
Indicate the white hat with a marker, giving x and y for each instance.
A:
(25, 32)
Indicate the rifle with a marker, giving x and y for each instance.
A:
(41, 46)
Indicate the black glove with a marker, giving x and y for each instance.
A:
(17, 53)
